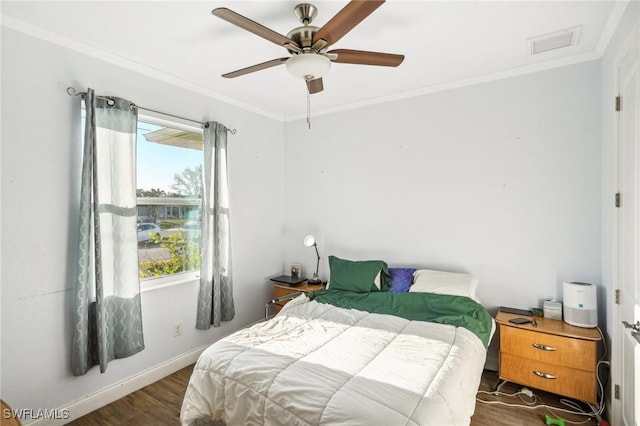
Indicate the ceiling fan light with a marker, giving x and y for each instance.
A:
(308, 66)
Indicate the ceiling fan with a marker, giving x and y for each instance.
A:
(308, 44)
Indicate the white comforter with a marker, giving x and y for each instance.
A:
(316, 364)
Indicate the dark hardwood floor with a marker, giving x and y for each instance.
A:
(498, 414)
(159, 405)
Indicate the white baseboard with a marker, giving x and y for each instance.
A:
(118, 390)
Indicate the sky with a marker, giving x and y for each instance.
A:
(158, 163)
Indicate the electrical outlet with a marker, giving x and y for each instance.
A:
(177, 329)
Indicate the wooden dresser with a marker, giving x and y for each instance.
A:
(553, 356)
(280, 290)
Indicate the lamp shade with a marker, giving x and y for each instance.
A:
(309, 241)
(308, 66)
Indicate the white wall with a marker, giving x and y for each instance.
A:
(40, 168)
(500, 179)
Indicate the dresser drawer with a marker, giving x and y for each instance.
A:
(562, 351)
(578, 384)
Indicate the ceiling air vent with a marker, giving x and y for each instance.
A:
(552, 41)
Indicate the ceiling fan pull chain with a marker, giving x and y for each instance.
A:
(308, 109)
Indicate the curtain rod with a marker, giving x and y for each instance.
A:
(72, 92)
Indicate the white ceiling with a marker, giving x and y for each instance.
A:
(445, 43)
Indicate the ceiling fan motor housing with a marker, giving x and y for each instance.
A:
(303, 36)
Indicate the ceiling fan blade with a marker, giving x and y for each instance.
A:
(252, 26)
(345, 20)
(362, 57)
(254, 68)
(315, 86)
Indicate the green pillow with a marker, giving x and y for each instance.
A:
(357, 276)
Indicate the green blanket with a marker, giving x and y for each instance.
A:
(441, 308)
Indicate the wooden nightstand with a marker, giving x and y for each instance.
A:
(280, 290)
(553, 356)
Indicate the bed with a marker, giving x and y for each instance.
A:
(345, 357)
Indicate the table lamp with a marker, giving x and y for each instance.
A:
(310, 241)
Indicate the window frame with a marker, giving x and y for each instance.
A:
(155, 283)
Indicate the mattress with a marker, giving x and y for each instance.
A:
(318, 364)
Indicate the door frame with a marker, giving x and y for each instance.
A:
(615, 405)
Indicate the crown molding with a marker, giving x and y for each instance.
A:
(494, 76)
(85, 49)
(609, 30)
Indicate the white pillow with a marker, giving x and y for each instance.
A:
(376, 280)
(457, 284)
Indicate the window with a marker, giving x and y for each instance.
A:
(169, 192)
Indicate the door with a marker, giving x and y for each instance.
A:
(627, 340)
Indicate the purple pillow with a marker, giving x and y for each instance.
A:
(401, 279)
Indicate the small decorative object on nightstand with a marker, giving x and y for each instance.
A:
(552, 355)
(295, 270)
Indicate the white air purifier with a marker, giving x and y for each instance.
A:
(580, 304)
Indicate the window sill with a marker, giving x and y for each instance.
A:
(151, 284)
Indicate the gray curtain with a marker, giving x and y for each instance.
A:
(107, 316)
(215, 298)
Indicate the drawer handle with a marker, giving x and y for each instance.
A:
(543, 347)
(544, 375)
